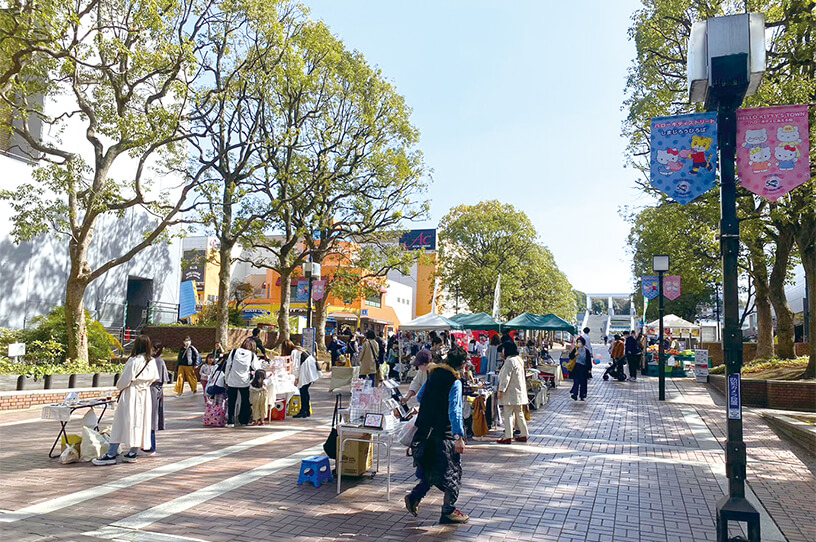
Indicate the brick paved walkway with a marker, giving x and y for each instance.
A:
(618, 467)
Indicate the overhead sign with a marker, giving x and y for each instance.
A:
(193, 264)
(419, 240)
(684, 155)
(671, 287)
(773, 149)
(649, 285)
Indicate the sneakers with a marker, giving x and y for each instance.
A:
(129, 458)
(411, 506)
(583, 398)
(504, 441)
(148, 452)
(104, 460)
(230, 425)
(524, 439)
(574, 397)
(454, 517)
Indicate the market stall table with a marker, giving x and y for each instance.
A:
(380, 437)
(555, 371)
(63, 412)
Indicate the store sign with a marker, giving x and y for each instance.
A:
(419, 240)
(16, 350)
(773, 149)
(193, 263)
(734, 399)
(701, 365)
(318, 289)
(650, 287)
(308, 340)
(671, 287)
(684, 155)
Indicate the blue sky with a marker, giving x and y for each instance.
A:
(519, 102)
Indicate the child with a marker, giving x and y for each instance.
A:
(206, 370)
(257, 397)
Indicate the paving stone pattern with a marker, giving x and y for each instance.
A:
(616, 467)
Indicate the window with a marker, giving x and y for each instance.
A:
(374, 300)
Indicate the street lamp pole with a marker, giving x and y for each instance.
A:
(660, 264)
(717, 309)
(726, 61)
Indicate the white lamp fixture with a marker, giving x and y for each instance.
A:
(660, 263)
(726, 51)
(311, 269)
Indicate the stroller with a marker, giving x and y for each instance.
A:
(615, 372)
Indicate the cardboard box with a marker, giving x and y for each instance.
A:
(358, 457)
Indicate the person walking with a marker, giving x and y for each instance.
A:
(618, 354)
(369, 355)
(188, 359)
(238, 371)
(306, 373)
(133, 419)
(513, 394)
(583, 361)
(439, 442)
(157, 396)
(632, 349)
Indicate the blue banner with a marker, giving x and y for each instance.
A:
(649, 287)
(302, 292)
(187, 300)
(684, 155)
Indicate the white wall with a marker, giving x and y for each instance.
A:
(400, 298)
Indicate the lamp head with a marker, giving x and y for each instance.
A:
(660, 263)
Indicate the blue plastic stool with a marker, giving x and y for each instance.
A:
(315, 469)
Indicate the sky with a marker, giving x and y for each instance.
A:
(519, 102)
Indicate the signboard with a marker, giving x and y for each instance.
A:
(671, 287)
(419, 240)
(16, 350)
(734, 400)
(364, 312)
(308, 340)
(684, 155)
(701, 365)
(193, 264)
(318, 289)
(249, 314)
(773, 149)
(302, 291)
(187, 300)
(650, 287)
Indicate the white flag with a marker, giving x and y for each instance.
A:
(497, 300)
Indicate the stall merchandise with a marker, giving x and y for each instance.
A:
(62, 413)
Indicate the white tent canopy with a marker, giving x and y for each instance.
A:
(673, 321)
(428, 322)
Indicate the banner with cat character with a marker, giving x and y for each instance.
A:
(773, 148)
(671, 287)
(684, 155)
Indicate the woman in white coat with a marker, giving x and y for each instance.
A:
(306, 372)
(133, 420)
(513, 394)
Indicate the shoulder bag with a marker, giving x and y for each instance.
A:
(330, 446)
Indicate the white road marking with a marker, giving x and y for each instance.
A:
(180, 504)
(118, 534)
(81, 496)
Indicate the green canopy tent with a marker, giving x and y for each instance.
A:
(477, 322)
(554, 323)
(525, 321)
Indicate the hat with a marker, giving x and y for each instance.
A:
(422, 357)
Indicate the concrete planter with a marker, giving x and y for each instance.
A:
(10, 382)
(101, 380)
(56, 382)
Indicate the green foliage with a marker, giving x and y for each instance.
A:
(763, 364)
(477, 242)
(208, 317)
(51, 327)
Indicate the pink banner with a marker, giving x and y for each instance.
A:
(773, 149)
(318, 289)
(671, 287)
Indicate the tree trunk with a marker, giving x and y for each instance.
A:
(807, 249)
(75, 319)
(785, 332)
(223, 303)
(284, 331)
(765, 347)
(320, 323)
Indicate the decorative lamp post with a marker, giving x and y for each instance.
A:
(660, 264)
(310, 269)
(726, 60)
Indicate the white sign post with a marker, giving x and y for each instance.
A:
(701, 365)
(16, 350)
(309, 339)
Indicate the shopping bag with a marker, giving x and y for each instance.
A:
(69, 455)
(93, 445)
(215, 384)
(406, 436)
(71, 440)
(294, 406)
(571, 365)
(215, 415)
(527, 415)
(90, 418)
(330, 446)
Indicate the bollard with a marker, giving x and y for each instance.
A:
(47, 382)
(95, 381)
(20, 382)
(72, 381)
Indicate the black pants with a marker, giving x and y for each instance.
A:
(634, 361)
(305, 400)
(579, 380)
(246, 408)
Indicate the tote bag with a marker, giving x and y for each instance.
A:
(330, 446)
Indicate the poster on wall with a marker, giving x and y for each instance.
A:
(684, 155)
(773, 149)
(671, 287)
(650, 287)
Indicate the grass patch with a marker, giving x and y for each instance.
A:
(760, 365)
